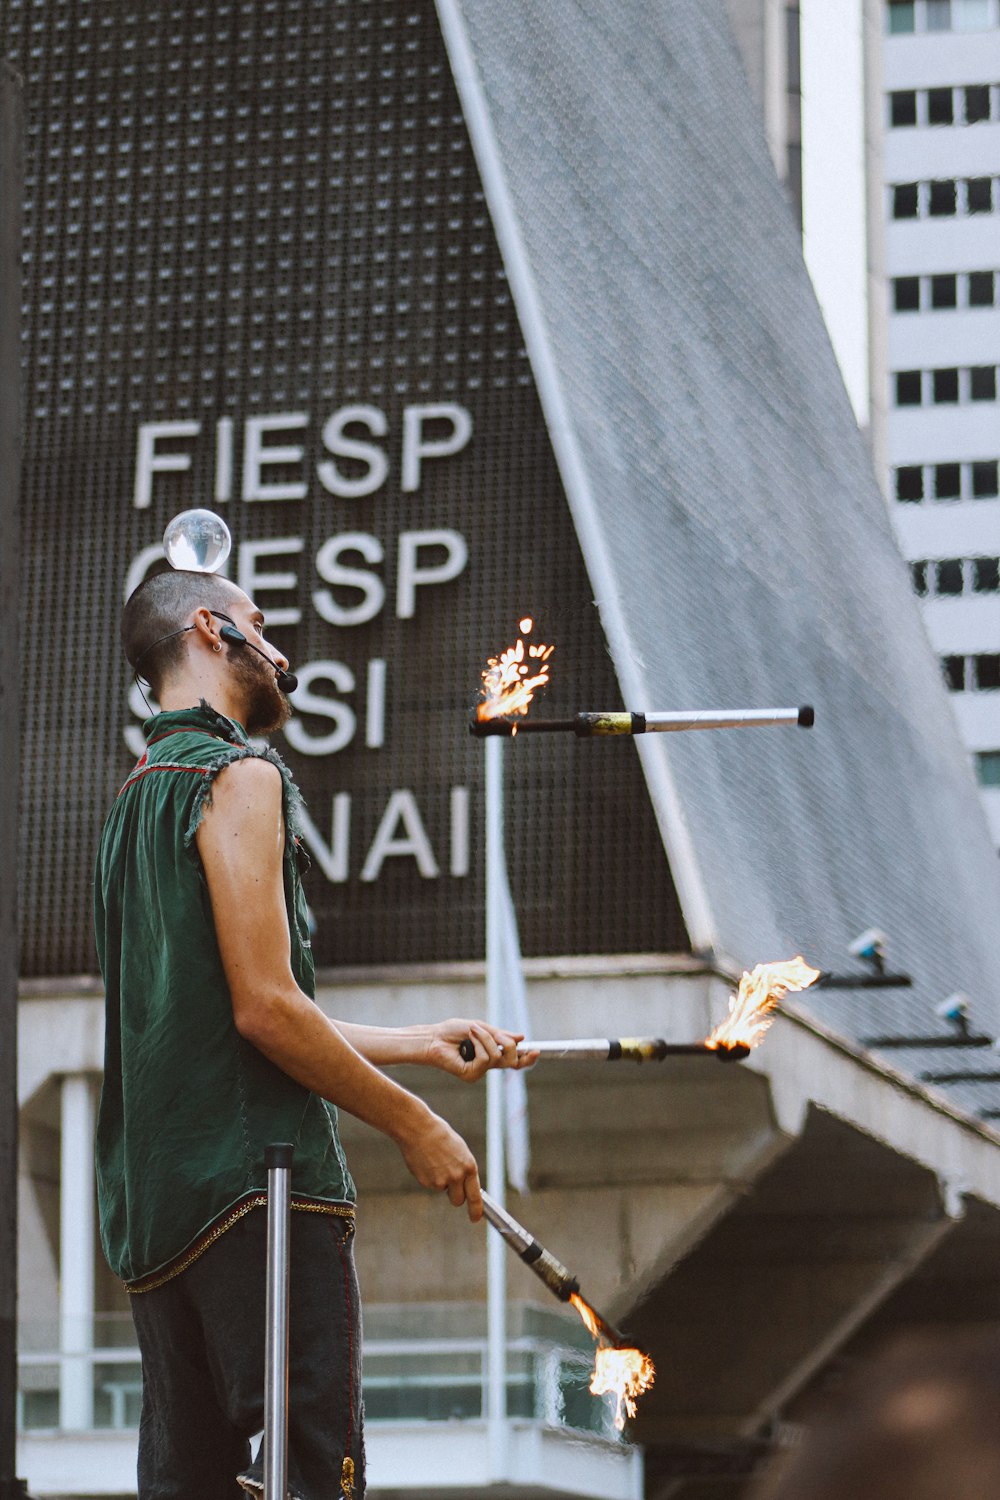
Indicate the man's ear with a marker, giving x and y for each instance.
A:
(205, 626)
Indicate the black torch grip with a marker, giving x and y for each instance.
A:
(467, 1049)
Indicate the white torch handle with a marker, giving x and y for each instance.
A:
(721, 718)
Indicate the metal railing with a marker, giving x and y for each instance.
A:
(421, 1363)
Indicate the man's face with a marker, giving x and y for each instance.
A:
(265, 706)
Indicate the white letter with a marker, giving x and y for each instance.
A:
(224, 459)
(250, 580)
(333, 861)
(414, 446)
(459, 830)
(335, 441)
(409, 577)
(375, 705)
(148, 462)
(329, 568)
(255, 456)
(401, 809)
(328, 708)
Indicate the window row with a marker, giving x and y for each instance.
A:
(949, 289)
(952, 576)
(979, 480)
(943, 198)
(972, 674)
(906, 16)
(970, 104)
(945, 387)
(988, 767)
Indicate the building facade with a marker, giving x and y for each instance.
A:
(941, 123)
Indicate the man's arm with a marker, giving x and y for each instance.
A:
(241, 844)
(437, 1046)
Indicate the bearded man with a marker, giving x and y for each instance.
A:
(215, 1048)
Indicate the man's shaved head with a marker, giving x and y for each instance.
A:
(163, 604)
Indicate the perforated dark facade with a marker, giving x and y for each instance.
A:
(260, 210)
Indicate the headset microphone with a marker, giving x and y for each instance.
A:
(287, 681)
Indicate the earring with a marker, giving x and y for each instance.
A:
(217, 646)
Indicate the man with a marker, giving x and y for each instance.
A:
(215, 1048)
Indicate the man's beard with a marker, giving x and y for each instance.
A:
(266, 708)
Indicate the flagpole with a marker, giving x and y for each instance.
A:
(496, 1262)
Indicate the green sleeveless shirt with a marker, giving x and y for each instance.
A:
(187, 1104)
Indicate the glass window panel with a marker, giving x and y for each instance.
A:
(953, 668)
(906, 293)
(948, 576)
(983, 383)
(943, 198)
(903, 107)
(905, 201)
(945, 387)
(986, 672)
(940, 107)
(981, 288)
(985, 478)
(971, 15)
(947, 481)
(910, 483)
(944, 291)
(908, 388)
(986, 575)
(988, 767)
(901, 16)
(979, 195)
(977, 103)
(918, 572)
(938, 14)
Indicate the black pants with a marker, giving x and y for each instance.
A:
(201, 1336)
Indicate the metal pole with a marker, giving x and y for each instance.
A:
(11, 176)
(278, 1160)
(496, 1263)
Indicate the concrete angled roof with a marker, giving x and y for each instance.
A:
(738, 546)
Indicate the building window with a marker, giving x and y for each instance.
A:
(940, 107)
(943, 201)
(986, 672)
(979, 195)
(986, 575)
(918, 572)
(981, 288)
(988, 767)
(977, 103)
(903, 107)
(910, 483)
(983, 383)
(947, 481)
(905, 203)
(901, 16)
(908, 388)
(945, 387)
(971, 15)
(985, 479)
(938, 13)
(944, 291)
(954, 673)
(906, 294)
(948, 576)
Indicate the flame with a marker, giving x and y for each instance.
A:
(751, 1010)
(625, 1373)
(511, 679)
(622, 1373)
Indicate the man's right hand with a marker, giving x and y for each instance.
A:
(439, 1158)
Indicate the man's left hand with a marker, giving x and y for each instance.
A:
(493, 1048)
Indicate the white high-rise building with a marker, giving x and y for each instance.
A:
(898, 125)
(941, 159)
